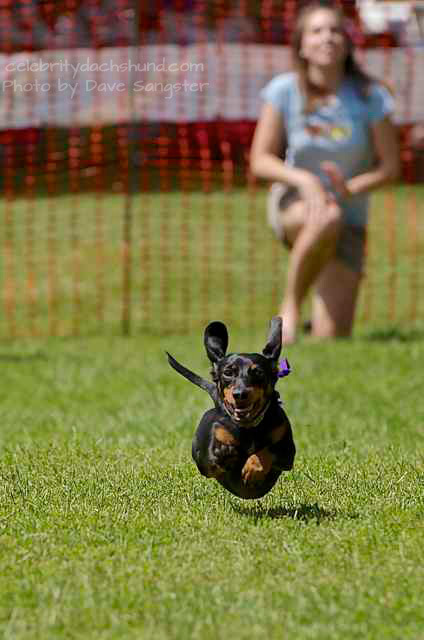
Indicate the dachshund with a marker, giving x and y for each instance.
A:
(246, 440)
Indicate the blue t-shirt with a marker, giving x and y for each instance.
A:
(338, 131)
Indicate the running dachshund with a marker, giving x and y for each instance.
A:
(245, 441)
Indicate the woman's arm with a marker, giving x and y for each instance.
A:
(388, 167)
(386, 145)
(266, 161)
(267, 145)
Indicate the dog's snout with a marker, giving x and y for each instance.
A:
(240, 393)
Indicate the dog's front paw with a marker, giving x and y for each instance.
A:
(224, 456)
(224, 451)
(255, 469)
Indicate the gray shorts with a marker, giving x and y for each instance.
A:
(351, 244)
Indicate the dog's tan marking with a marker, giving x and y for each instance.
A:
(257, 394)
(257, 397)
(228, 395)
(224, 436)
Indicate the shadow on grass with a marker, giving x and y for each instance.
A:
(394, 334)
(303, 512)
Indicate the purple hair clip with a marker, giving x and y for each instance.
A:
(284, 368)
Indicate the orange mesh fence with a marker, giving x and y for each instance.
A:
(127, 203)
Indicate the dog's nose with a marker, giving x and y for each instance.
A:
(240, 393)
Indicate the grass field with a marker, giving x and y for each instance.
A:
(108, 531)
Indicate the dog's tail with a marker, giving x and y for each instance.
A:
(210, 387)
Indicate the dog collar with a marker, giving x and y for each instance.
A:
(284, 368)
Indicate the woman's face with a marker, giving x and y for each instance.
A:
(323, 41)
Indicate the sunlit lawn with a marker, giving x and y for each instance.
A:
(107, 530)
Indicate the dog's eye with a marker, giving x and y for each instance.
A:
(257, 375)
(229, 372)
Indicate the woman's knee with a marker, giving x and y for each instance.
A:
(289, 222)
(327, 225)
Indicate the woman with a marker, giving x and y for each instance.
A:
(335, 122)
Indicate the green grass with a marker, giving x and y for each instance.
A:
(107, 530)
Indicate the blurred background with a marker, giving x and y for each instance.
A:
(125, 126)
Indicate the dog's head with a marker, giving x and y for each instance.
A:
(245, 381)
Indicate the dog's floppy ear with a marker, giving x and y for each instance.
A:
(216, 341)
(272, 349)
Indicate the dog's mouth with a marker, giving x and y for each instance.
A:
(244, 412)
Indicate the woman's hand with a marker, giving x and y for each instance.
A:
(336, 178)
(313, 194)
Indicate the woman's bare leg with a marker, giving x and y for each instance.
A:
(313, 243)
(334, 300)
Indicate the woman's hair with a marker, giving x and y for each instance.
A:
(351, 68)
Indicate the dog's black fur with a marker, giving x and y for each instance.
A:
(245, 441)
